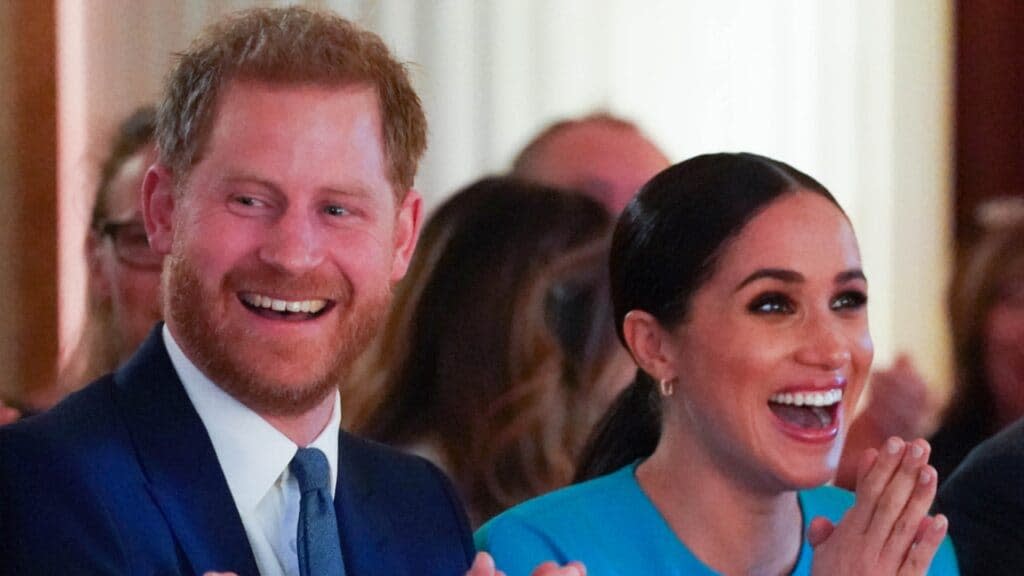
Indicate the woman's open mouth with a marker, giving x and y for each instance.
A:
(811, 415)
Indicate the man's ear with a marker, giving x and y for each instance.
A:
(651, 345)
(408, 220)
(158, 205)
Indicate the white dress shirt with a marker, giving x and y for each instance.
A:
(254, 457)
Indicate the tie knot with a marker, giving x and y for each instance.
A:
(311, 469)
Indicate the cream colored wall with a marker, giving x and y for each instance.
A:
(922, 240)
(856, 93)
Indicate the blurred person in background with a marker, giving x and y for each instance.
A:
(123, 290)
(602, 155)
(124, 273)
(987, 313)
(570, 305)
(469, 367)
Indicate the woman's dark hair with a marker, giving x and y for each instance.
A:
(449, 367)
(666, 245)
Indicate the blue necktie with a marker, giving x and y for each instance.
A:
(318, 544)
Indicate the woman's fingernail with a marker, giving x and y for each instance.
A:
(893, 445)
(916, 451)
(939, 524)
(925, 476)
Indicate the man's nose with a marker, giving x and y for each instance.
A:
(293, 243)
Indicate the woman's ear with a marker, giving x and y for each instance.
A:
(650, 344)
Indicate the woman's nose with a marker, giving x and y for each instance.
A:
(824, 346)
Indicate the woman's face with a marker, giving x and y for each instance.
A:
(1004, 346)
(775, 349)
(133, 290)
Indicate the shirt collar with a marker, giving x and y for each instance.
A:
(252, 453)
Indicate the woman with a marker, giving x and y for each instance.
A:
(471, 368)
(987, 313)
(124, 274)
(737, 287)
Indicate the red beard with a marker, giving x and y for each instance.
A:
(271, 376)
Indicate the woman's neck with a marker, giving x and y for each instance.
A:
(726, 522)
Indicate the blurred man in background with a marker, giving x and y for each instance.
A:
(602, 155)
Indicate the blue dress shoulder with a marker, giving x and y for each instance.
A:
(611, 526)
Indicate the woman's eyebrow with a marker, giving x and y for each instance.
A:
(790, 276)
(851, 274)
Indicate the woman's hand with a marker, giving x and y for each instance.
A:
(483, 565)
(898, 403)
(888, 530)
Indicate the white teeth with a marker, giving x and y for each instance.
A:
(827, 398)
(277, 305)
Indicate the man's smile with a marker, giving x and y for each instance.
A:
(279, 308)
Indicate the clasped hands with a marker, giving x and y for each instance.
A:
(888, 529)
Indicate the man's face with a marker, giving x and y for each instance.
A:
(284, 242)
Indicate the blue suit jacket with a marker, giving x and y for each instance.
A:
(121, 478)
(984, 499)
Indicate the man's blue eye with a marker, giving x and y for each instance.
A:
(335, 211)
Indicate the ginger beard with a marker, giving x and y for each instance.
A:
(248, 365)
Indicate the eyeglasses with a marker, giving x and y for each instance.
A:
(131, 244)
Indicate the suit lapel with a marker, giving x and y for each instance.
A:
(364, 523)
(179, 462)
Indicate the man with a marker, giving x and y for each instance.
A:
(601, 155)
(282, 202)
(984, 500)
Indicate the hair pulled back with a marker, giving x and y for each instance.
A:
(666, 245)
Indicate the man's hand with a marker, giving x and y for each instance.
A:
(483, 565)
(888, 530)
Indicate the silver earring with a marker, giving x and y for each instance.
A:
(667, 386)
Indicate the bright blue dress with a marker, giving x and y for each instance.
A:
(611, 526)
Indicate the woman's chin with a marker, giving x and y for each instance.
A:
(807, 477)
